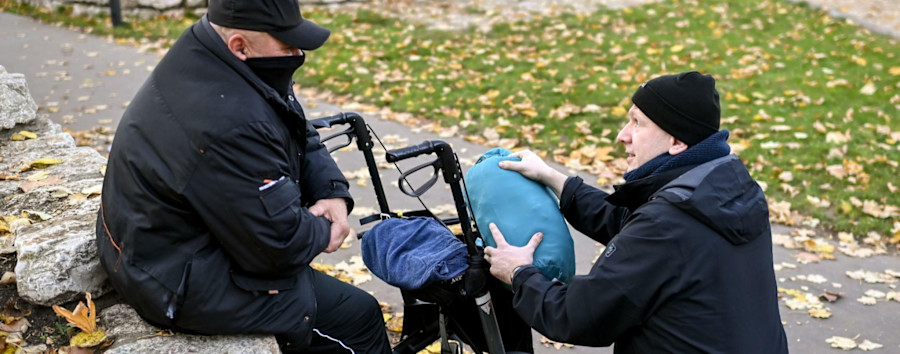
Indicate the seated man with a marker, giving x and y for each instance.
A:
(218, 193)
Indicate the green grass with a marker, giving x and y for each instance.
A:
(793, 85)
(163, 30)
(790, 80)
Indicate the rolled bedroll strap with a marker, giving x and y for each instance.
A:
(520, 207)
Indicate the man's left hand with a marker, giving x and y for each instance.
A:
(335, 210)
(505, 257)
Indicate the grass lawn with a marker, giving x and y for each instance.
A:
(810, 100)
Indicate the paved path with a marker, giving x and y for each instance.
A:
(74, 73)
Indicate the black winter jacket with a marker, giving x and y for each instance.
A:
(687, 267)
(188, 220)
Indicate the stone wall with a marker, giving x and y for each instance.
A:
(49, 196)
(145, 8)
(141, 8)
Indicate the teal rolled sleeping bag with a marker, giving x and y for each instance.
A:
(520, 207)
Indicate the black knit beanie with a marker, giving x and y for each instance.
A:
(685, 105)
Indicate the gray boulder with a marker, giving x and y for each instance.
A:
(57, 261)
(57, 257)
(16, 104)
(133, 335)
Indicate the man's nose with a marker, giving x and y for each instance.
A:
(624, 135)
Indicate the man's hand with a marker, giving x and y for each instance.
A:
(335, 210)
(532, 167)
(505, 258)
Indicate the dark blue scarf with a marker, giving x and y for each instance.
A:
(711, 148)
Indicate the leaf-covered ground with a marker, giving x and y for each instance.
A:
(810, 100)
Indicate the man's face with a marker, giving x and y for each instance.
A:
(263, 45)
(643, 139)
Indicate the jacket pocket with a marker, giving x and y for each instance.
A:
(284, 194)
(256, 284)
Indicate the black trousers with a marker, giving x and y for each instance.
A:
(348, 320)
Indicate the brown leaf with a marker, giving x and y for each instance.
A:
(830, 296)
(806, 257)
(75, 350)
(20, 325)
(28, 186)
(8, 278)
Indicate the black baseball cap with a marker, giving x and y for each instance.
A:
(280, 18)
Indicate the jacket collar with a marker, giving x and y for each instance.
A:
(209, 39)
(635, 193)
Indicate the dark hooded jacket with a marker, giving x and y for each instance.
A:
(203, 225)
(687, 267)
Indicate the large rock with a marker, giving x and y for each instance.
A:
(16, 104)
(133, 335)
(57, 260)
(57, 257)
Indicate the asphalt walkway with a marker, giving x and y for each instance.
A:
(82, 81)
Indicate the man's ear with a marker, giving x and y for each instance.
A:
(677, 147)
(237, 44)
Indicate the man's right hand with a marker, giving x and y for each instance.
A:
(335, 210)
(533, 167)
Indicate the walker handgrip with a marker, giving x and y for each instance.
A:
(426, 147)
(327, 122)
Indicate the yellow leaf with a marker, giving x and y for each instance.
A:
(619, 111)
(741, 98)
(894, 70)
(841, 342)
(846, 207)
(433, 348)
(868, 89)
(676, 48)
(85, 318)
(28, 134)
(41, 163)
(88, 340)
(819, 313)
(395, 324)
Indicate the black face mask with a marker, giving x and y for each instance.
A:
(276, 72)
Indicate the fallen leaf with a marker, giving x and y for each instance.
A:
(875, 294)
(37, 176)
(867, 345)
(556, 345)
(83, 317)
(23, 135)
(841, 342)
(868, 89)
(830, 296)
(93, 190)
(865, 300)
(42, 216)
(870, 277)
(40, 163)
(806, 258)
(20, 325)
(29, 186)
(8, 278)
(395, 324)
(816, 278)
(822, 313)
